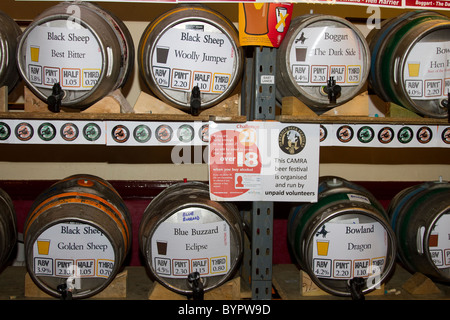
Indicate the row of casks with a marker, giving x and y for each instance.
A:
(78, 233)
(192, 53)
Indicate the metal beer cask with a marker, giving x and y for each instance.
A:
(343, 237)
(9, 33)
(182, 231)
(8, 228)
(420, 218)
(188, 47)
(409, 61)
(76, 237)
(317, 50)
(83, 48)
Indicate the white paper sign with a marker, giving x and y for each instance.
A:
(73, 250)
(348, 250)
(323, 52)
(189, 244)
(68, 56)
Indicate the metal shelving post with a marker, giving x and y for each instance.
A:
(258, 101)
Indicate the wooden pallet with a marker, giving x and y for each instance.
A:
(117, 289)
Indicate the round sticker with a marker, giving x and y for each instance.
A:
(163, 133)
(91, 131)
(120, 134)
(345, 134)
(446, 135)
(424, 135)
(5, 131)
(46, 131)
(385, 135)
(69, 131)
(365, 134)
(323, 133)
(142, 133)
(405, 135)
(24, 131)
(185, 133)
(204, 133)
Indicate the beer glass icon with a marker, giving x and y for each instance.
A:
(256, 18)
(322, 247)
(161, 54)
(433, 240)
(34, 51)
(161, 247)
(43, 246)
(413, 69)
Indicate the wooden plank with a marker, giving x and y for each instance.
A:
(291, 106)
(396, 111)
(231, 290)
(4, 99)
(421, 285)
(116, 289)
(148, 104)
(358, 106)
(114, 102)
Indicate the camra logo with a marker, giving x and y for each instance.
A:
(291, 140)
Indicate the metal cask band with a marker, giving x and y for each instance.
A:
(9, 33)
(324, 61)
(77, 235)
(74, 54)
(8, 228)
(191, 53)
(420, 217)
(342, 237)
(183, 233)
(409, 64)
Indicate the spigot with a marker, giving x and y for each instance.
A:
(195, 101)
(356, 286)
(332, 89)
(197, 285)
(54, 100)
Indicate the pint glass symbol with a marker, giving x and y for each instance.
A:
(162, 54)
(256, 16)
(322, 247)
(433, 240)
(34, 51)
(161, 247)
(413, 69)
(43, 246)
